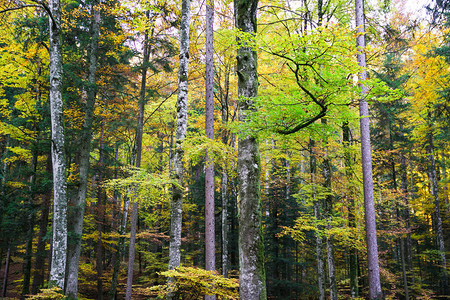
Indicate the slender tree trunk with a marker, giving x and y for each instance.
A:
(177, 172)
(444, 178)
(77, 202)
(407, 217)
(39, 266)
(30, 232)
(139, 134)
(58, 264)
(252, 279)
(27, 259)
(435, 193)
(328, 211)
(369, 206)
(6, 271)
(119, 249)
(404, 271)
(210, 253)
(406, 242)
(224, 187)
(100, 220)
(318, 216)
(353, 255)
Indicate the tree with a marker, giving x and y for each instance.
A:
(176, 205)
(78, 202)
(138, 143)
(252, 279)
(210, 250)
(59, 246)
(428, 121)
(369, 206)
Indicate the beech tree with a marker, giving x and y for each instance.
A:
(252, 279)
(59, 242)
(176, 205)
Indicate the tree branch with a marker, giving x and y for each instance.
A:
(304, 124)
(47, 9)
(18, 7)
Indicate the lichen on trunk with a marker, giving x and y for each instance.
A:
(59, 247)
(176, 203)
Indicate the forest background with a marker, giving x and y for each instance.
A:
(119, 86)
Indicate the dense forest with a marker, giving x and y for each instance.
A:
(271, 149)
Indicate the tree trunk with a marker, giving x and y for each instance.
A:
(120, 250)
(6, 271)
(139, 134)
(77, 202)
(404, 271)
(30, 232)
(435, 193)
(27, 259)
(177, 172)
(210, 253)
(224, 188)
(318, 216)
(116, 225)
(328, 211)
(39, 266)
(444, 178)
(369, 206)
(252, 281)
(59, 248)
(224, 184)
(353, 259)
(100, 220)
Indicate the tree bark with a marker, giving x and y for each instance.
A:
(59, 248)
(252, 282)
(77, 202)
(6, 272)
(177, 172)
(406, 213)
(118, 225)
(139, 134)
(120, 250)
(39, 268)
(444, 179)
(435, 193)
(224, 189)
(353, 259)
(369, 206)
(328, 211)
(100, 220)
(224, 180)
(318, 216)
(404, 271)
(26, 269)
(210, 253)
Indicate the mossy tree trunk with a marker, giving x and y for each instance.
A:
(252, 281)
